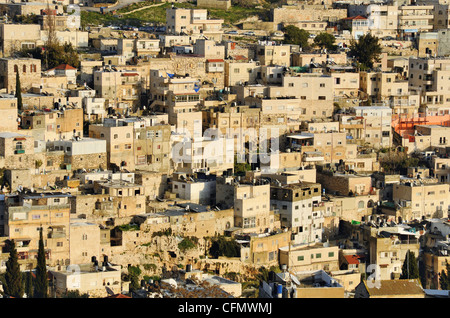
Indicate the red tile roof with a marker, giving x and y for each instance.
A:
(64, 67)
(358, 17)
(352, 259)
(216, 60)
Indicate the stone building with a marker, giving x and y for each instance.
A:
(29, 70)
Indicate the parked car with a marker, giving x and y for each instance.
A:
(277, 33)
(249, 33)
(232, 32)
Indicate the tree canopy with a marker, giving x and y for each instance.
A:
(366, 50)
(54, 54)
(294, 35)
(325, 41)
(222, 246)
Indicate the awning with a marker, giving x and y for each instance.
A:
(300, 137)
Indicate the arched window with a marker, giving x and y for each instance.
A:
(361, 205)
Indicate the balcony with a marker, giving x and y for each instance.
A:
(19, 151)
(313, 156)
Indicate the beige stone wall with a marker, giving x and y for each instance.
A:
(88, 161)
(345, 183)
(84, 242)
(8, 113)
(14, 36)
(306, 13)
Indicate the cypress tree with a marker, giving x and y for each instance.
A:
(444, 277)
(13, 277)
(41, 282)
(29, 284)
(410, 269)
(18, 93)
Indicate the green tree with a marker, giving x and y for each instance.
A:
(222, 246)
(133, 274)
(29, 284)
(74, 294)
(294, 35)
(410, 268)
(13, 286)
(18, 94)
(444, 277)
(325, 40)
(41, 282)
(366, 50)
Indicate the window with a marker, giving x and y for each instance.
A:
(330, 254)
(300, 258)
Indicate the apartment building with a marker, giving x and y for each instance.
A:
(88, 278)
(357, 25)
(390, 89)
(322, 147)
(263, 248)
(310, 257)
(413, 19)
(54, 124)
(435, 255)
(345, 183)
(210, 49)
(426, 199)
(382, 19)
(241, 72)
(377, 125)
(268, 54)
(301, 210)
(173, 94)
(138, 47)
(152, 147)
(440, 167)
(346, 81)
(427, 138)
(120, 88)
(250, 200)
(388, 248)
(119, 143)
(27, 213)
(428, 77)
(199, 188)
(193, 21)
(15, 37)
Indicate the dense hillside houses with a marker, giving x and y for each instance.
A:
(219, 150)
